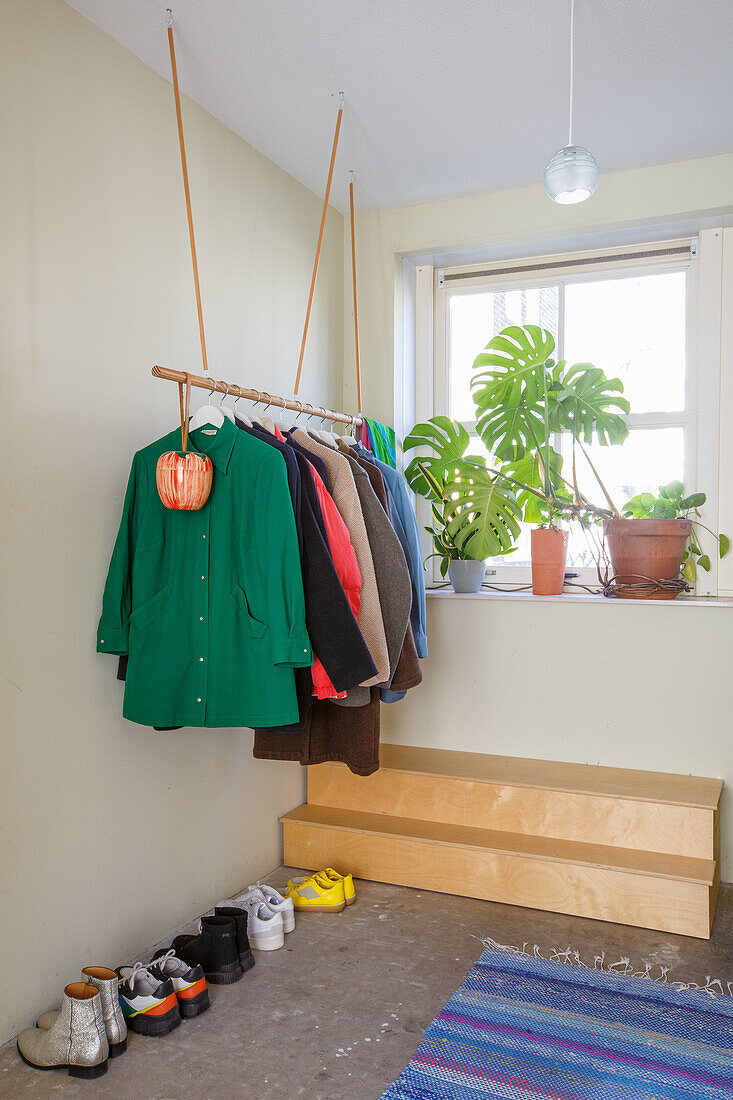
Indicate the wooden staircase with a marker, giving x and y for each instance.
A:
(631, 847)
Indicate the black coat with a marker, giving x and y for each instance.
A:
(330, 622)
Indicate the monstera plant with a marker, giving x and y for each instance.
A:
(475, 512)
(524, 398)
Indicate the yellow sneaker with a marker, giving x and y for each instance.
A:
(331, 876)
(317, 894)
(348, 881)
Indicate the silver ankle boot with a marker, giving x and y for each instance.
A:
(106, 981)
(77, 1039)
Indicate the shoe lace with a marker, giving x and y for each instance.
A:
(269, 891)
(139, 971)
(163, 959)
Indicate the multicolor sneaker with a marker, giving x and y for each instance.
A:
(189, 983)
(317, 894)
(149, 1005)
(275, 902)
(334, 876)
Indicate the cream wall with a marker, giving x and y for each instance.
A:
(636, 686)
(112, 835)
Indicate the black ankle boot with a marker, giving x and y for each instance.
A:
(214, 949)
(239, 916)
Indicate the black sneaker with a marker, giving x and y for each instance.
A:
(239, 916)
(214, 949)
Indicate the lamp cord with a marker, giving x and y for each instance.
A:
(572, 36)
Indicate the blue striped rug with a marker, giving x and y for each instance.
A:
(526, 1027)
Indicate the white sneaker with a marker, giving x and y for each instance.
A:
(275, 902)
(264, 927)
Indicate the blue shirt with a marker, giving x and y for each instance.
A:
(404, 521)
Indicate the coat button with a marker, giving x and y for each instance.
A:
(198, 700)
(200, 658)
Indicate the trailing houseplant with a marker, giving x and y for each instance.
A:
(655, 545)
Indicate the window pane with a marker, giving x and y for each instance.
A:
(633, 329)
(475, 319)
(649, 457)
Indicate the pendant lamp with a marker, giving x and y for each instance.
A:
(572, 172)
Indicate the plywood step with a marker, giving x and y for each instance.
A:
(645, 811)
(669, 893)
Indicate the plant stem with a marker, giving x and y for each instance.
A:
(604, 490)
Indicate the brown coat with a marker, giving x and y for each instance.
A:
(348, 734)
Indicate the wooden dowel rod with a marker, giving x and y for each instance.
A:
(318, 248)
(353, 279)
(187, 192)
(250, 394)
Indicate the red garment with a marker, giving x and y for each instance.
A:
(278, 434)
(364, 438)
(347, 571)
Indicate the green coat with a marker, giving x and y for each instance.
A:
(209, 605)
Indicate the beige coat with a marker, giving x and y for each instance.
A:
(346, 499)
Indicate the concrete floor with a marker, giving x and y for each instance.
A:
(337, 1013)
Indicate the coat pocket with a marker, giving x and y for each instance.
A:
(147, 612)
(239, 597)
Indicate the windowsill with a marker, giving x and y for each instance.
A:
(579, 597)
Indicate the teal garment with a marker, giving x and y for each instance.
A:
(383, 441)
(209, 605)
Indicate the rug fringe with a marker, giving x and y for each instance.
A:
(713, 986)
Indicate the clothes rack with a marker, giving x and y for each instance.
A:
(233, 390)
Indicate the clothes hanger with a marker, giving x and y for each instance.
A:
(283, 423)
(324, 436)
(256, 419)
(267, 422)
(242, 416)
(207, 414)
(228, 413)
(285, 427)
(349, 440)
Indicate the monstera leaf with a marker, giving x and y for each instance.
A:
(586, 403)
(449, 440)
(481, 515)
(529, 472)
(510, 390)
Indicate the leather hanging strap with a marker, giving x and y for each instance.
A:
(353, 278)
(324, 213)
(187, 192)
(185, 409)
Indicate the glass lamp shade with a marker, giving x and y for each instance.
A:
(571, 175)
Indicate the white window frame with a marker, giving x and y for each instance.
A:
(703, 325)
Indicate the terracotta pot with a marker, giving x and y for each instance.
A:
(646, 548)
(549, 554)
(183, 479)
(467, 575)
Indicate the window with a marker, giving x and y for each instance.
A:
(632, 313)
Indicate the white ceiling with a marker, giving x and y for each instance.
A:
(445, 97)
